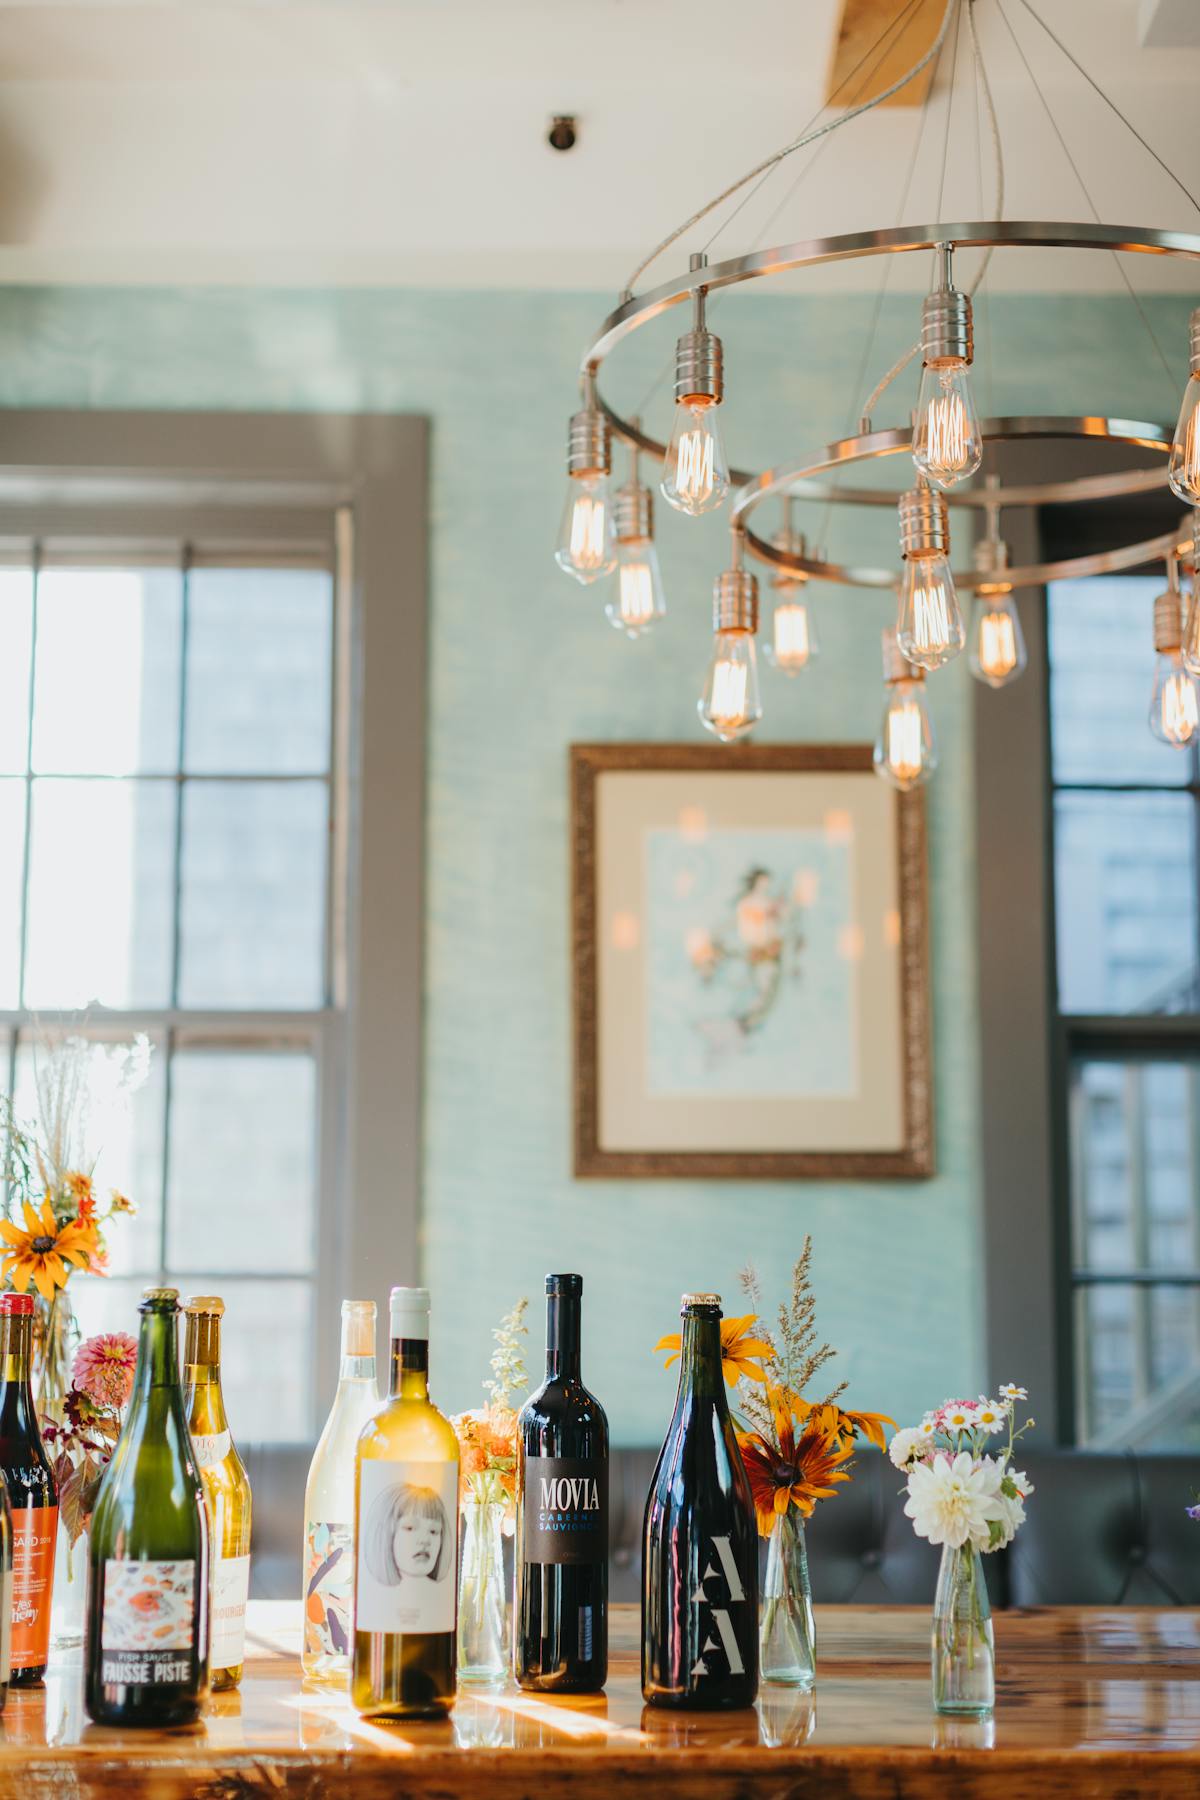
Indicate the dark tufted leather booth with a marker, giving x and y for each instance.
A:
(1102, 1530)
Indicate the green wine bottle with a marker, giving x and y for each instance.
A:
(147, 1629)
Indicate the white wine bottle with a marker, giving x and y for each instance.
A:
(226, 1489)
(406, 1537)
(329, 1502)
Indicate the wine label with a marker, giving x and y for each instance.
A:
(148, 1623)
(210, 1449)
(718, 1591)
(406, 1575)
(328, 1588)
(6, 1586)
(35, 1534)
(230, 1592)
(566, 1510)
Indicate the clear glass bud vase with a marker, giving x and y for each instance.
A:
(964, 1671)
(788, 1639)
(482, 1640)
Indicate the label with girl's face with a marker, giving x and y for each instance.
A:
(406, 1569)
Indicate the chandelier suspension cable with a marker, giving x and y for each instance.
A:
(808, 136)
(1134, 296)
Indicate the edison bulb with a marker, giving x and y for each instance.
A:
(696, 475)
(997, 654)
(1175, 704)
(1183, 470)
(793, 640)
(930, 627)
(731, 704)
(947, 438)
(586, 545)
(639, 600)
(905, 753)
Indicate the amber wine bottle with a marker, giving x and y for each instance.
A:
(700, 1566)
(226, 1489)
(146, 1661)
(406, 1536)
(329, 1502)
(32, 1495)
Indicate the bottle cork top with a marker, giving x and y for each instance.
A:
(409, 1309)
(15, 1303)
(690, 1301)
(157, 1298)
(358, 1328)
(210, 1304)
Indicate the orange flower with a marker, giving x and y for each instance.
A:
(79, 1187)
(42, 1251)
(741, 1354)
(120, 1203)
(792, 1472)
(844, 1425)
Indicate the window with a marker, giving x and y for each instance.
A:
(168, 809)
(1126, 824)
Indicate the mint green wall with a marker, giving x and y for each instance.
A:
(522, 664)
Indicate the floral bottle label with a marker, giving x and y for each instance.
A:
(407, 1551)
(230, 1591)
(328, 1588)
(148, 1623)
(35, 1534)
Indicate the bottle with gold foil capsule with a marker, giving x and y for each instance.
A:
(226, 1489)
(406, 1537)
(6, 1582)
(329, 1502)
(32, 1495)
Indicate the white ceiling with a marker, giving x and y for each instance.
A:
(403, 141)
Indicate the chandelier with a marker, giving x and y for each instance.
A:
(942, 448)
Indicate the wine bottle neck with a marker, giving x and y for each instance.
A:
(356, 1369)
(157, 1358)
(700, 1375)
(562, 1337)
(202, 1373)
(410, 1369)
(16, 1367)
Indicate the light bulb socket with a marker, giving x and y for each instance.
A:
(924, 522)
(589, 443)
(735, 601)
(699, 367)
(947, 328)
(1168, 623)
(793, 543)
(896, 666)
(1194, 341)
(991, 557)
(633, 512)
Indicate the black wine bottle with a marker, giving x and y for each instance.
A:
(32, 1495)
(700, 1562)
(560, 1619)
(146, 1661)
(6, 1582)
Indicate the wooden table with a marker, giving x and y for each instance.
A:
(1089, 1702)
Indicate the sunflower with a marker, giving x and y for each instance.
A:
(741, 1354)
(42, 1251)
(844, 1425)
(791, 1471)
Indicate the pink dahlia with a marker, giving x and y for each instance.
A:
(103, 1368)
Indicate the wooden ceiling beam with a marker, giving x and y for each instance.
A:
(862, 24)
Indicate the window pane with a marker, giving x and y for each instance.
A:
(1125, 895)
(267, 1326)
(106, 700)
(100, 894)
(117, 1136)
(16, 636)
(242, 1160)
(258, 684)
(12, 868)
(1101, 679)
(108, 1305)
(1138, 1352)
(252, 910)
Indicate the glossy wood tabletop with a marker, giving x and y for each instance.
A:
(1088, 1702)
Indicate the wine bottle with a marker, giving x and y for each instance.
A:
(226, 1489)
(700, 1563)
(6, 1587)
(406, 1536)
(560, 1618)
(146, 1660)
(329, 1502)
(32, 1494)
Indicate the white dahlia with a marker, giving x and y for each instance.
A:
(953, 1500)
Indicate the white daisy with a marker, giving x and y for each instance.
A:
(990, 1415)
(962, 1418)
(1010, 1392)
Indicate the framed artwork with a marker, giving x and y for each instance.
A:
(751, 985)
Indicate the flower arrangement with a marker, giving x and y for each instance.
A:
(487, 1445)
(54, 1222)
(82, 1443)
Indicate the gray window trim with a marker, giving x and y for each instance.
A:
(298, 479)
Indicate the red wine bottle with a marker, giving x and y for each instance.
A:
(700, 1562)
(31, 1491)
(560, 1630)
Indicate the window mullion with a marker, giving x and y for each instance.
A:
(35, 565)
